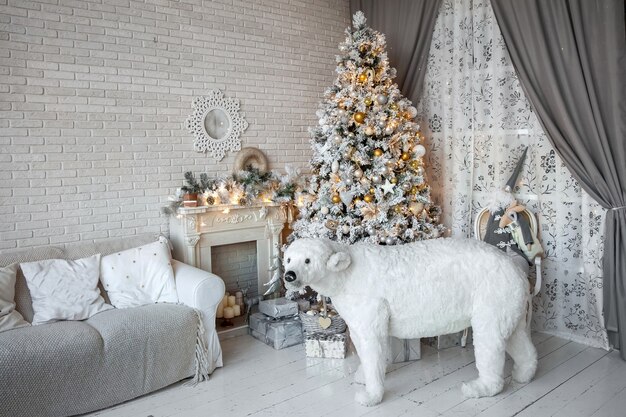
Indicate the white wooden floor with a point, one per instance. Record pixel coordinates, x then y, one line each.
572 381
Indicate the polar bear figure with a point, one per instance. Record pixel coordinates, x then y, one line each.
421 289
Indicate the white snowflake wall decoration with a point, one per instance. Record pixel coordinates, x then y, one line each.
216 124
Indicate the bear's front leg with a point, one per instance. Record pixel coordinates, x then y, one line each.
369 332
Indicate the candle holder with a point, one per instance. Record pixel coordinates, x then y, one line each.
226 323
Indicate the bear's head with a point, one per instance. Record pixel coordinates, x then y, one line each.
308 261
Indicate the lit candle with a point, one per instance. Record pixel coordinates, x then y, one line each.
236 310
231 300
220 311
228 313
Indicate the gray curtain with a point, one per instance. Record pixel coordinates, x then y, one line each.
408 27
570 59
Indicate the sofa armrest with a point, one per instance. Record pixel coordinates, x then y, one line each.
198 288
203 291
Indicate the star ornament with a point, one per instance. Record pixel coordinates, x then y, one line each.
387 187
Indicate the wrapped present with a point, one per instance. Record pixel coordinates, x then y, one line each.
278 307
404 350
276 332
445 341
323 345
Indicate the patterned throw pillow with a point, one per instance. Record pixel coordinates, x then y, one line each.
139 276
9 318
64 290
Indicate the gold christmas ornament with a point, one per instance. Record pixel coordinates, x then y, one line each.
362 77
398 209
414 190
378 152
405 156
336 199
368 198
394 106
415 164
363 48
372 190
394 180
331 225
359 117
367 101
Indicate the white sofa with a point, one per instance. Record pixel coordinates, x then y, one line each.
74 367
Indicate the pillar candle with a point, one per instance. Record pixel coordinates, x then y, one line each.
236 310
224 302
228 313
231 300
220 311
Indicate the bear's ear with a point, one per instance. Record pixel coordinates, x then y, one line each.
338 261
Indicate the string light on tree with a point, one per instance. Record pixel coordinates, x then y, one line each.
367 159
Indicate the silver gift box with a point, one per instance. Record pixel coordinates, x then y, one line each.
446 341
278 307
322 345
404 350
278 333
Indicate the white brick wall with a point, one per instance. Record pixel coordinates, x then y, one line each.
236 265
94 94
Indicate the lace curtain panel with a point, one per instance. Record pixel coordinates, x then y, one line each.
477 123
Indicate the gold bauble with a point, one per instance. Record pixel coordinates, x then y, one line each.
405 156
378 152
368 198
336 199
414 164
367 101
362 77
394 180
393 106
398 209
359 117
372 190
363 48
356 200
414 190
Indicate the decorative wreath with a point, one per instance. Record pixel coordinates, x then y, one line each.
250 157
195 123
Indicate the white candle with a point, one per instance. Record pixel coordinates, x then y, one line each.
224 302
236 310
220 311
231 300
228 313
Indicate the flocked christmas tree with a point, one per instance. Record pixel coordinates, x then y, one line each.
368 179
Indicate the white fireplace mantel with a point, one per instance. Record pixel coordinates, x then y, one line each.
194 231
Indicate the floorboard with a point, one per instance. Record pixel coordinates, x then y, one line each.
572 380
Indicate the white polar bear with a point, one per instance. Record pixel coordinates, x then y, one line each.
421 289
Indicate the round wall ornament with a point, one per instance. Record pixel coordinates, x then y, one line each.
216 124
250 157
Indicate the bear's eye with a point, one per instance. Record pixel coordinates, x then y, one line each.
307 261
288 260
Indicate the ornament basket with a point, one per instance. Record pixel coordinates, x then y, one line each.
311 324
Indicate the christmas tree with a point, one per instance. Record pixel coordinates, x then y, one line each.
367 181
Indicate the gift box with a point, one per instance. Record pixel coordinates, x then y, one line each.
278 333
445 341
404 350
322 345
278 307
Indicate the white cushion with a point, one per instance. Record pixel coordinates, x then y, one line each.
139 276
9 318
64 290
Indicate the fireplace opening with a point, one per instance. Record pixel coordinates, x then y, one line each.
236 264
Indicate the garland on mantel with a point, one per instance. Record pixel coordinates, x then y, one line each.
244 188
